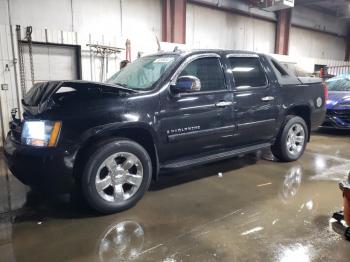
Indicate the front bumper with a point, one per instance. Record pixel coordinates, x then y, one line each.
50 169
339 119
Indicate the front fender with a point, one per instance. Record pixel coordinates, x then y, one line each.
106 129
141 133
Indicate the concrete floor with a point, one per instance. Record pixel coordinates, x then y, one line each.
258 210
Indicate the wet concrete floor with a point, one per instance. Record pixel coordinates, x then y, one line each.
258 210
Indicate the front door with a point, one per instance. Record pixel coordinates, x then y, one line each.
198 122
255 100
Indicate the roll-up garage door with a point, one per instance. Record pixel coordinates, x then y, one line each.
52 62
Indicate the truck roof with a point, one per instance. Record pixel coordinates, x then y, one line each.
223 51
201 51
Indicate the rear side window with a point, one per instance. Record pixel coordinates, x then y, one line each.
279 68
247 72
208 70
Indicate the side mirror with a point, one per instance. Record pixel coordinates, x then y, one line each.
186 84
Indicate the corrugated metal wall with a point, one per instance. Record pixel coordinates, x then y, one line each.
309 18
8 97
308 43
308 63
210 28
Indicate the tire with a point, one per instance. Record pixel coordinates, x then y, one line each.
116 175
288 147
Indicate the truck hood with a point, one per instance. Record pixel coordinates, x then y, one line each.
38 99
338 100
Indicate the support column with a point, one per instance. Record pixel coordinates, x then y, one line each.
283 29
347 50
174 21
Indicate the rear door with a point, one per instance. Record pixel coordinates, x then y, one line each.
198 122
255 100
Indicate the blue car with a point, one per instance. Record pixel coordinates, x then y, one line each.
338 103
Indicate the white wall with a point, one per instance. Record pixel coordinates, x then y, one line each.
306 17
8 98
307 64
307 43
210 28
111 20
93 16
3 12
38 13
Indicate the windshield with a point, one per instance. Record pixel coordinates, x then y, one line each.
143 72
339 83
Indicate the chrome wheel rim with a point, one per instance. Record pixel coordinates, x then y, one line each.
119 177
296 139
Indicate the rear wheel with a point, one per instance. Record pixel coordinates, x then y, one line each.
292 139
116 176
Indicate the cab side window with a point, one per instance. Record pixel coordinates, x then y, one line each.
247 72
209 71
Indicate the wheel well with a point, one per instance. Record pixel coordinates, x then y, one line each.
305 113
139 135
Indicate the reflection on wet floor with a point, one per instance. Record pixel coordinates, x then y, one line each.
256 210
123 240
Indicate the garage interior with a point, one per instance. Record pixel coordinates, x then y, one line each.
247 208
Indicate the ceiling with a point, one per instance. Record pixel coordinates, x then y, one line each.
339 8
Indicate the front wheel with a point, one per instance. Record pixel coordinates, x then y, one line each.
116 176
292 139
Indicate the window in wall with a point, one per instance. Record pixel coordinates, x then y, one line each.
247 72
208 70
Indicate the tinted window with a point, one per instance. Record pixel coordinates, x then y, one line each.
247 72
279 68
208 71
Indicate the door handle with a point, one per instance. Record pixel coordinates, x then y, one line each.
267 98
223 104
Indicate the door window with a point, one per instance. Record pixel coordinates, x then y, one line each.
247 72
209 71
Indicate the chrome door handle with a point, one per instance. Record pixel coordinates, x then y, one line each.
223 104
267 98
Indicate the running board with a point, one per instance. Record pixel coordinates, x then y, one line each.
214 157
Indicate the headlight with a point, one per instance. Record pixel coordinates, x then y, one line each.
41 133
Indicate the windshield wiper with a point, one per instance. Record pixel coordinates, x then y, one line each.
126 87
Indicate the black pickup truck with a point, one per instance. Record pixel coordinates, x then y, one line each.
164 111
